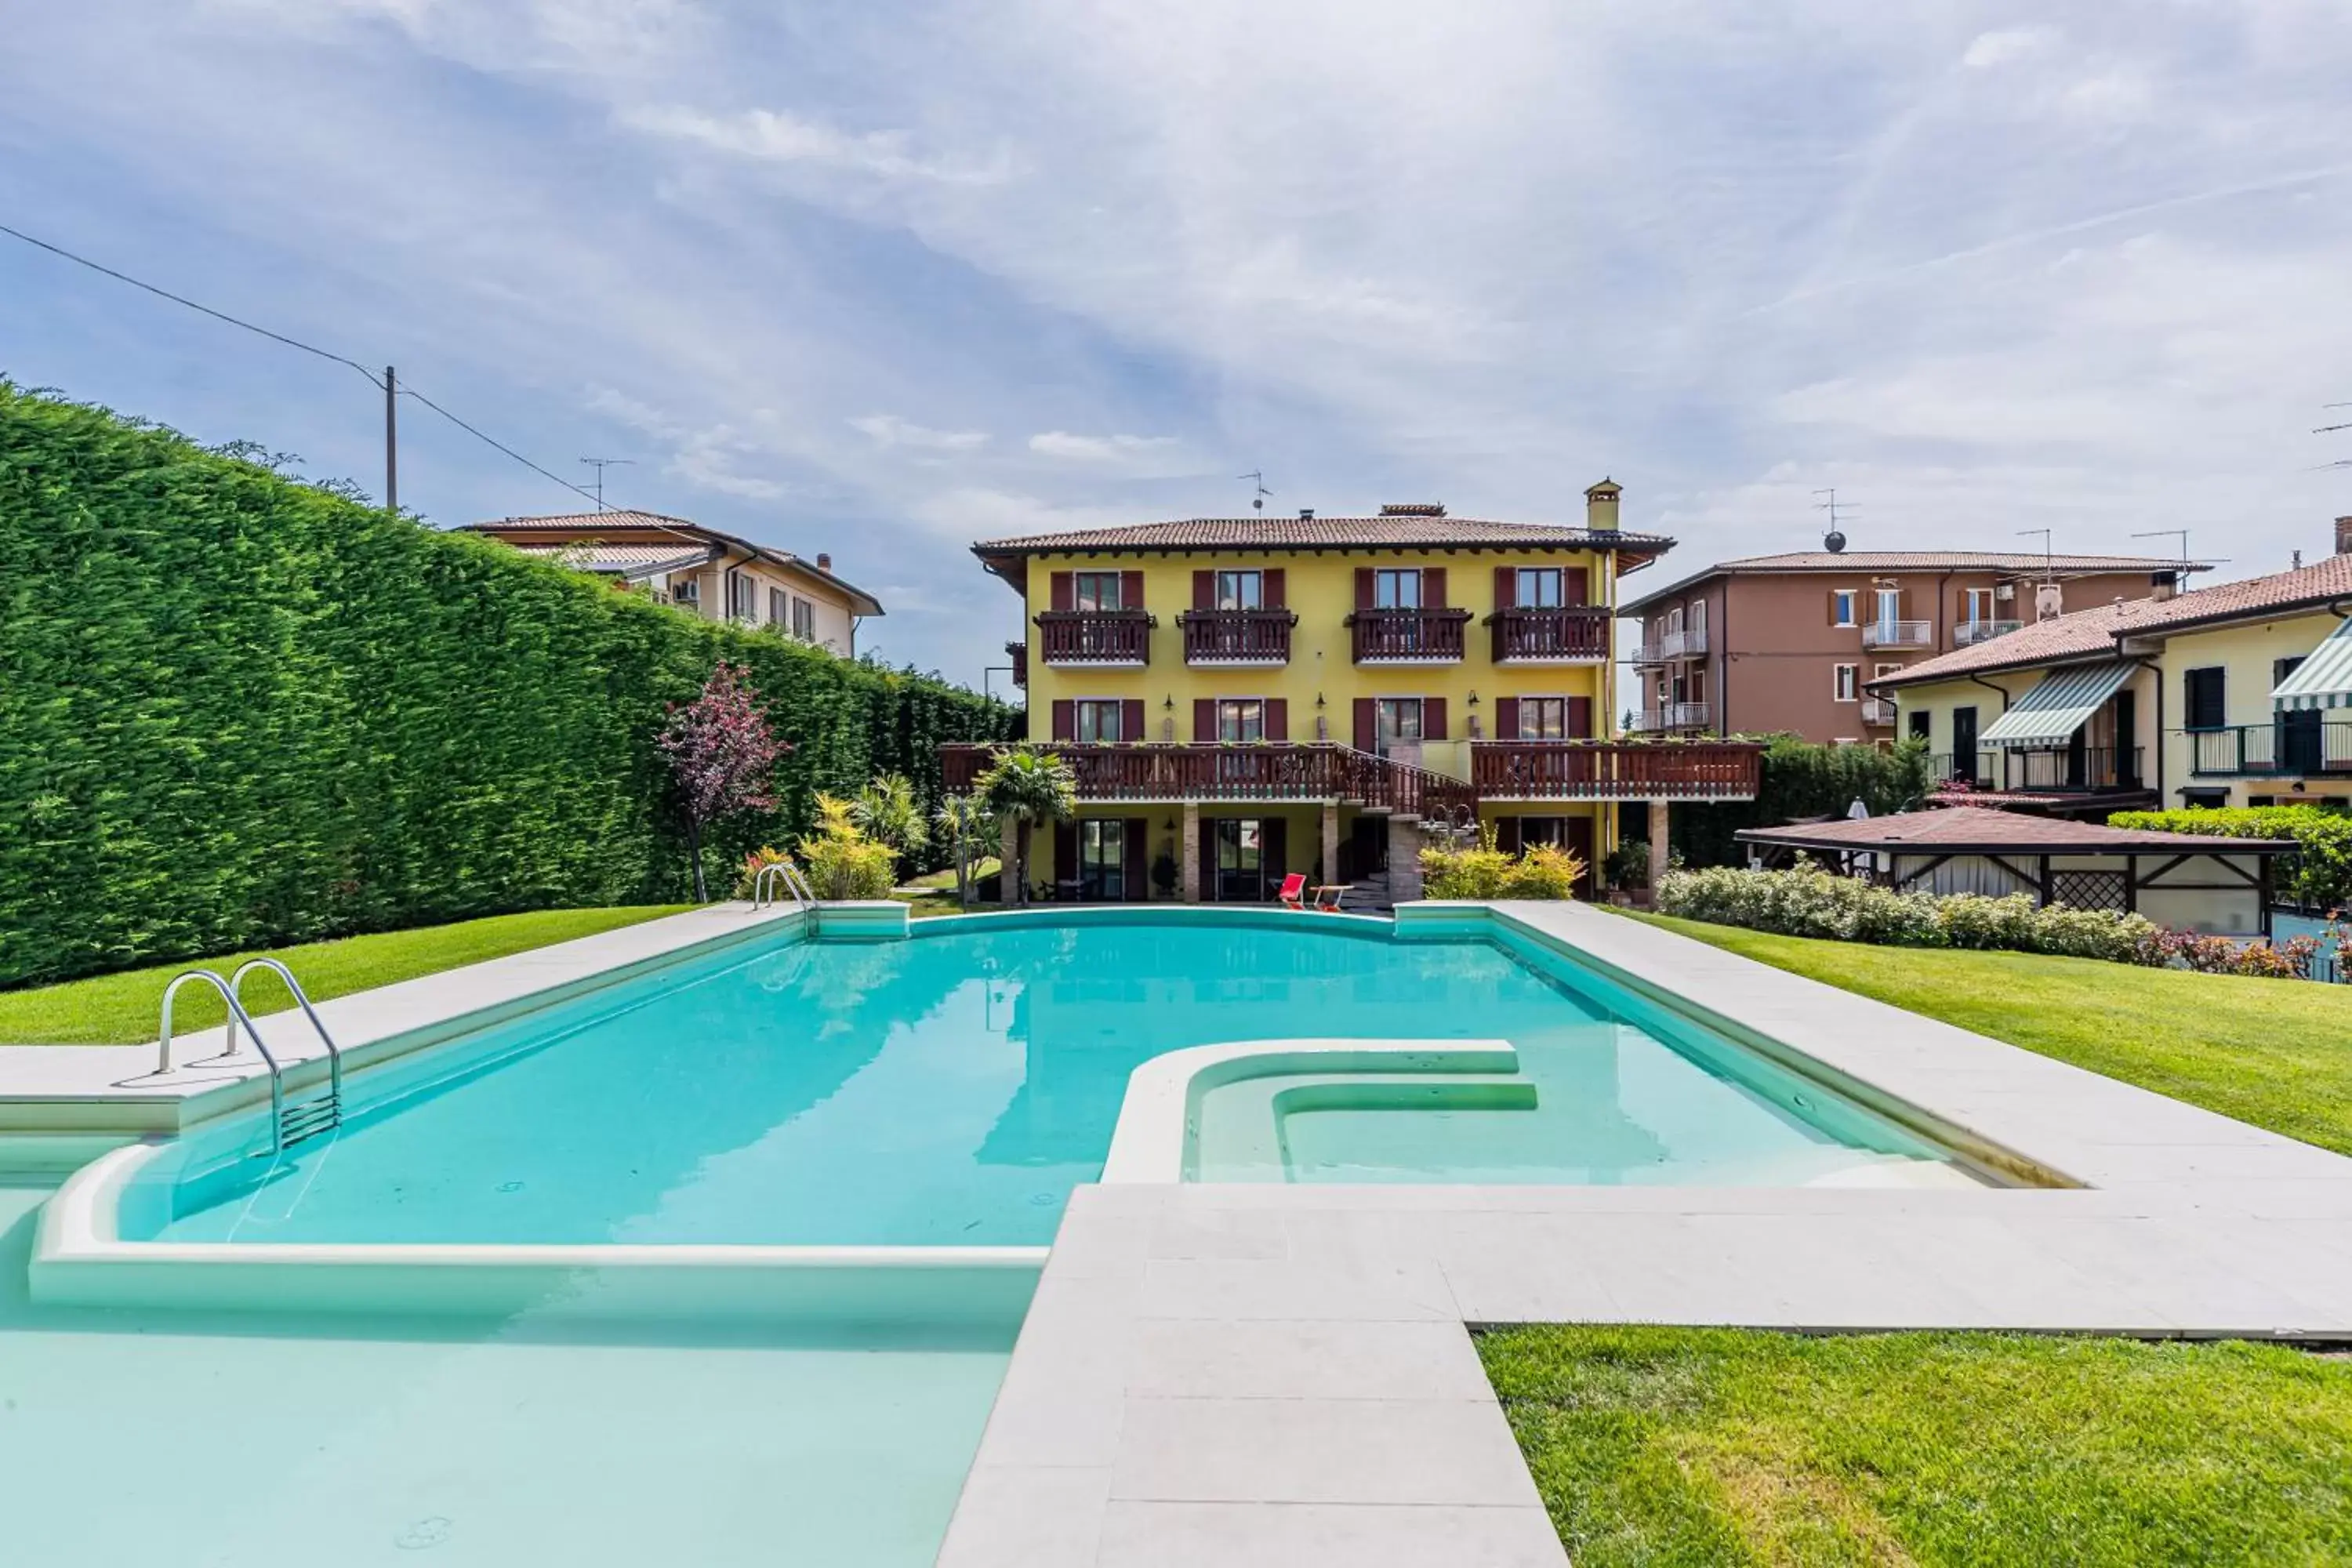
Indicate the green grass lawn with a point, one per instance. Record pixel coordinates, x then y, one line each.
2277 1053
121 1009
1665 1448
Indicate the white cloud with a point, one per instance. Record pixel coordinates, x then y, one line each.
2007 44
778 137
1099 448
888 430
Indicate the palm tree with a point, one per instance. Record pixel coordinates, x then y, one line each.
968 827
1027 786
886 812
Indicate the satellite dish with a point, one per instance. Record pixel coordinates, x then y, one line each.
1833 541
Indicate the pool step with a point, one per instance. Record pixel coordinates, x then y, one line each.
306 1119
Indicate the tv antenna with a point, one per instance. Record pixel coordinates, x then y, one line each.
2180 533
2328 430
1835 540
600 465
1257 502
2046 564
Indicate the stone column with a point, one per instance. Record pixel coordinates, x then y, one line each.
1187 855
1658 847
1404 861
1331 842
1007 853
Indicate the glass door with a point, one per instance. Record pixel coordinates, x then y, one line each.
1102 859
1241 860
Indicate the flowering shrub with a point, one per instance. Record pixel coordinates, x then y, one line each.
754 863
1810 902
1485 872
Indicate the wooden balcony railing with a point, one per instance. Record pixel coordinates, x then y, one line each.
1268 771
1237 637
1576 634
1408 637
1615 770
1095 637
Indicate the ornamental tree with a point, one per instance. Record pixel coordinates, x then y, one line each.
721 755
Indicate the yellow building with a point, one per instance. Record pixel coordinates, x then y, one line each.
1246 698
2239 694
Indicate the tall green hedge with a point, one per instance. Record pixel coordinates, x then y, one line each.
2318 875
1799 779
236 709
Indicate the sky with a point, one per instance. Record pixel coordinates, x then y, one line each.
881 280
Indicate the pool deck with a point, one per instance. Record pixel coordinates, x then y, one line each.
1271 1375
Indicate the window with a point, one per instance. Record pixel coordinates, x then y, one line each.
1543 717
1696 621
1920 721
777 599
1675 621
1890 606
804 620
1540 588
1240 859
2203 689
1400 722
1694 685
743 597
1094 591
686 591
1397 589
1551 830
1977 605
1240 591
1846 683
1241 718
1102 858
1098 719
1842 605
1881 671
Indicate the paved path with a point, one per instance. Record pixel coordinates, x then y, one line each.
1247 1375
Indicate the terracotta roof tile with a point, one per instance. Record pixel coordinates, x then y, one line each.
1971 827
2094 633
1403 532
628 559
1863 562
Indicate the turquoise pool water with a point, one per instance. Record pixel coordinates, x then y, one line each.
950 1089
290 1441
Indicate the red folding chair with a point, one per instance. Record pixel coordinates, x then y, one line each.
1293 887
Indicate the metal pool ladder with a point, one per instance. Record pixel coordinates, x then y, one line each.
763 886
288 1124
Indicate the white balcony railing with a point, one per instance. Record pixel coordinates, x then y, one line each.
1683 643
1897 634
1878 711
1970 632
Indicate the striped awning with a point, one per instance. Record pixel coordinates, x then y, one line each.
2051 713
2323 681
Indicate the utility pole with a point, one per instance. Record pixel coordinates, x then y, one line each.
391 442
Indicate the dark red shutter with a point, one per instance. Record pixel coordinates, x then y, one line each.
1130 719
1278 718
1066 852
1274 848
1062 596
1204 590
1834 594
1066 719
1580 719
1432 717
1271 589
1363 587
1506 588
1138 858
1575 586
1579 842
1506 718
1433 588
1367 725
1130 590
1204 719
1507 836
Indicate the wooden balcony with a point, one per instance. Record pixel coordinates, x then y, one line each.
1258 770
1213 638
1615 770
1408 637
1576 634
1019 653
1120 638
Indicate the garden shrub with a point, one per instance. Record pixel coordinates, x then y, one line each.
1485 872
1799 779
840 861
238 710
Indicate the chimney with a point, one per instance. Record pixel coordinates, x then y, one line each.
2049 599
2162 585
1306 514
1413 508
2344 536
823 561
1601 507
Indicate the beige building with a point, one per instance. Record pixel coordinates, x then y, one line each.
2238 694
1792 642
716 575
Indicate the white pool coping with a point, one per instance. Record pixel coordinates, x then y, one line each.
1272 1373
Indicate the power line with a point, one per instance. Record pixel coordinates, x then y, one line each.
383 383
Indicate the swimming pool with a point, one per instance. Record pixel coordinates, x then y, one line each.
948 1092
